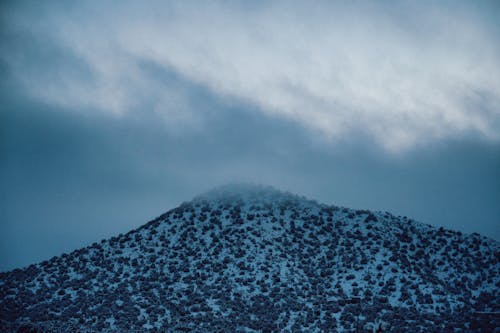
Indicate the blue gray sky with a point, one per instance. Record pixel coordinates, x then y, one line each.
113 112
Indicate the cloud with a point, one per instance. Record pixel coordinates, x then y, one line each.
400 74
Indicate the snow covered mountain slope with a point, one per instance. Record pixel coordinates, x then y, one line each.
245 258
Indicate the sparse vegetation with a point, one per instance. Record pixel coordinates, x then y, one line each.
265 261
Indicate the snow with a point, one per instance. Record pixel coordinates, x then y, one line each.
226 254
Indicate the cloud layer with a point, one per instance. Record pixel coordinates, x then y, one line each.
400 74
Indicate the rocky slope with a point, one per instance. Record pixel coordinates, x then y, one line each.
253 259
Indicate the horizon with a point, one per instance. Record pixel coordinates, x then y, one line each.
238 188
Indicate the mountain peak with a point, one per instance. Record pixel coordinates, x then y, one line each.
250 258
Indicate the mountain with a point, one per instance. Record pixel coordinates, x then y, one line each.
245 258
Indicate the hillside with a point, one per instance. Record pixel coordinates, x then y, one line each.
247 258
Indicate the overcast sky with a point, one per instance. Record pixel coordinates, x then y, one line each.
113 112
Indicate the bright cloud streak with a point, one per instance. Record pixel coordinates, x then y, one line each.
401 74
